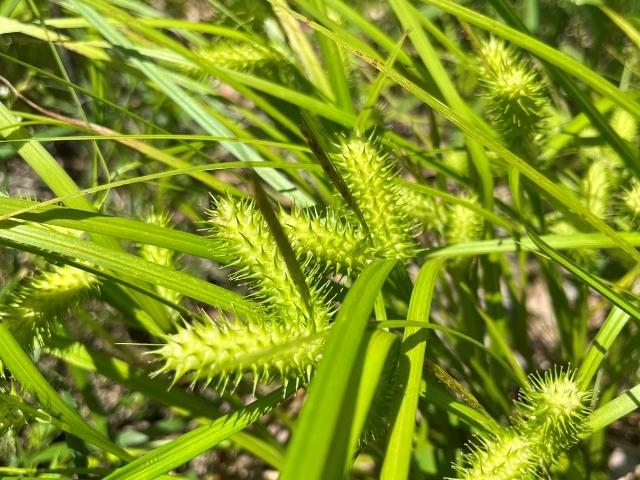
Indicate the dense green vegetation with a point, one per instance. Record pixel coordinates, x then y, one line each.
319 239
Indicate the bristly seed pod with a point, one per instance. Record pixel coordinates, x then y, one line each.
378 192
223 352
243 57
30 309
631 198
550 417
283 339
516 97
261 263
330 240
463 224
554 409
596 187
507 456
425 210
624 124
161 256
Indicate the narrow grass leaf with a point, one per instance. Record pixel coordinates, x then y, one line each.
119 227
319 446
23 370
615 409
179 451
187 103
133 269
597 284
400 447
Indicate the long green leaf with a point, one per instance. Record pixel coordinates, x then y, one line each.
615 409
553 56
559 193
179 451
319 446
133 269
21 367
398 455
119 227
188 104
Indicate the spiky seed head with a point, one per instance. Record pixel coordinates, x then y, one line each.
241 225
515 94
596 187
161 256
624 124
243 57
30 309
631 198
496 56
555 408
377 190
506 456
223 351
330 241
458 161
153 253
425 210
463 224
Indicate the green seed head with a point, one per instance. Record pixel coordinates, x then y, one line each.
516 97
597 185
377 191
161 256
624 124
496 57
261 263
424 209
508 456
243 57
457 161
30 310
329 241
554 409
463 225
631 200
224 351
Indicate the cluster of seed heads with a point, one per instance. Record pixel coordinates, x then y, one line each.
283 340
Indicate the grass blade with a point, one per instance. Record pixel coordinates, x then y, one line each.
615 409
319 447
181 450
400 447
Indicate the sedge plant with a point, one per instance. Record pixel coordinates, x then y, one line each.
320 240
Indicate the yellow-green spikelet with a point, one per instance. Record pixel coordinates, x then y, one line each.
506 456
329 240
596 187
283 339
161 256
463 224
30 310
242 56
224 351
261 263
554 410
378 193
631 199
516 97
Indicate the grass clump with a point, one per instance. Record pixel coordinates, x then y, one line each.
319 240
